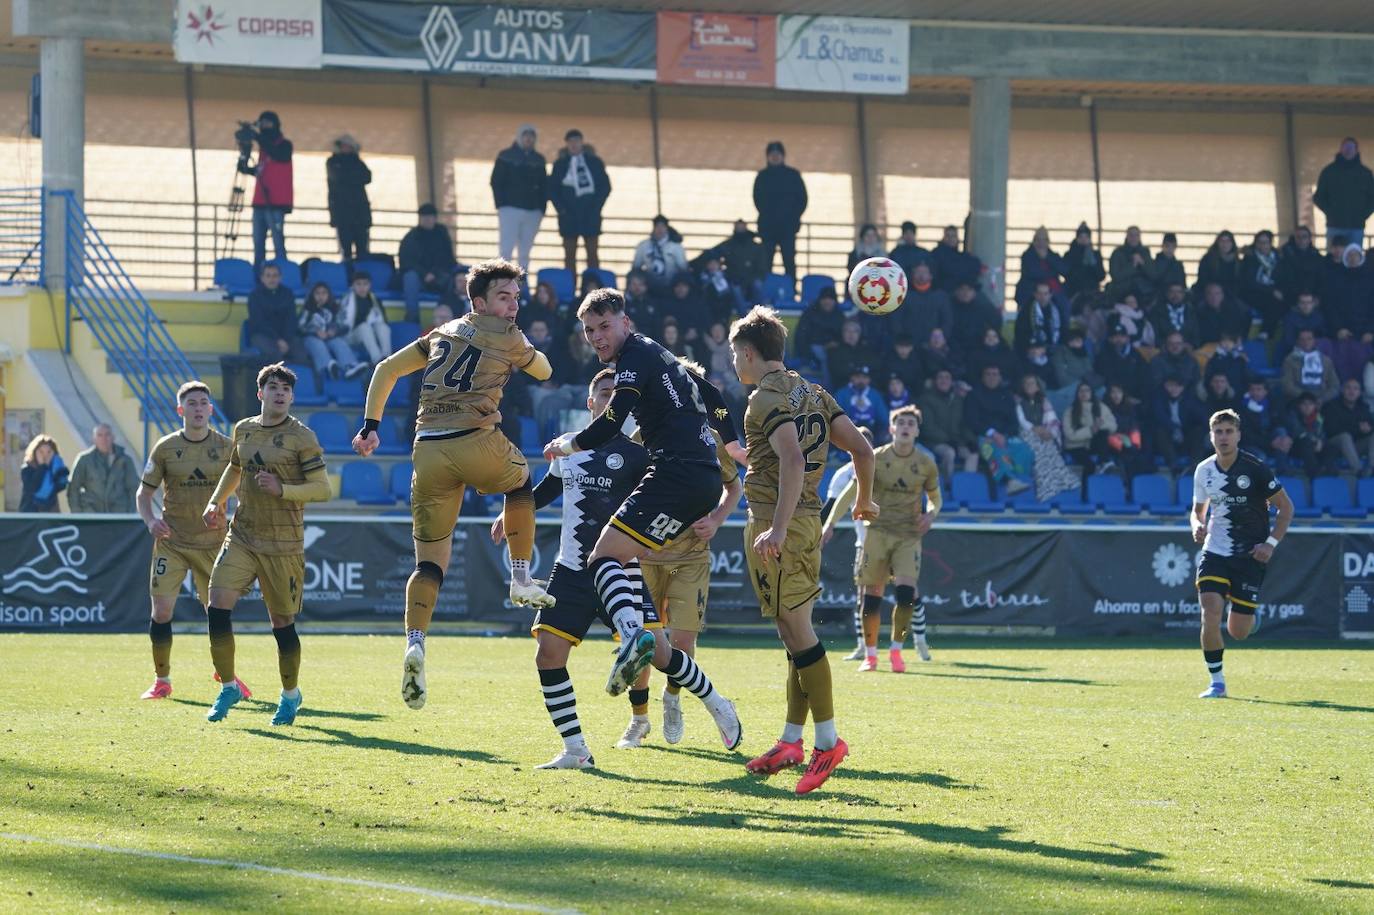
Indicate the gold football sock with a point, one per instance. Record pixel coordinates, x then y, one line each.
639 701
422 591
901 622
797 706
221 643
161 636
813 670
288 655
872 618
519 524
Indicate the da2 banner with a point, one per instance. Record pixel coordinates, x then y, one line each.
717 49
248 33
838 54
501 40
1357 585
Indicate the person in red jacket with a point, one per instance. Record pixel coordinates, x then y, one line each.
272 198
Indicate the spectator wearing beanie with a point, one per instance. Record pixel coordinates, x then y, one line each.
350 212
427 260
907 254
1168 268
862 403
974 313
1083 269
953 265
780 197
519 187
578 188
274 192
1345 193
819 331
851 352
1301 265
1349 307
902 361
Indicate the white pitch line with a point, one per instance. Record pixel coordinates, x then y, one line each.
288 872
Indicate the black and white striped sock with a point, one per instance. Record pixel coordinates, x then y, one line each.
859 618
561 702
1213 659
686 673
618 596
918 619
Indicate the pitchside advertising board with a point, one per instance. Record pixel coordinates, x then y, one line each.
90 574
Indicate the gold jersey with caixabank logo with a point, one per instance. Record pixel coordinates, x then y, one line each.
899 487
263 522
783 396
470 359
188 472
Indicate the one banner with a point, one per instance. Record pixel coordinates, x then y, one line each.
717 49
501 40
837 54
1357 585
248 33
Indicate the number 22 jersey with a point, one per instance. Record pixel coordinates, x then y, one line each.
783 396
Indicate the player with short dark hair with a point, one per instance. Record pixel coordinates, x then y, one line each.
1236 541
184 463
788 428
467 363
275 465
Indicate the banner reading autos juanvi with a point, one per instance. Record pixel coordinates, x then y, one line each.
500 40
839 54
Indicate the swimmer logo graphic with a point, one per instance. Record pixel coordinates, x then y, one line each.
54 568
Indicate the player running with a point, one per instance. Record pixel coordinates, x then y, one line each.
593 485
788 428
905 479
467 363
675 416
1235 538
275 465
839 481
678 579
183 463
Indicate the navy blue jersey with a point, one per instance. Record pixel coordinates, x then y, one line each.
672 415
595 483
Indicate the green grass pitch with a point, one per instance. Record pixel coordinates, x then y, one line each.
1004 776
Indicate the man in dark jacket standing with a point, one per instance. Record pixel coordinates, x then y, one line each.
1345 193
350 212
103 477
780 196
273 195
426 260
578 187
519 185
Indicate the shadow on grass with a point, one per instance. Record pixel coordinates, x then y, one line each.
970 665
933 779
1061 681
305 712
1341 884
1314 704
337 736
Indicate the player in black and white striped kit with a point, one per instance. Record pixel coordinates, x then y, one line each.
1236 542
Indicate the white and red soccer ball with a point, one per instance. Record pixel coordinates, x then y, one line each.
878 286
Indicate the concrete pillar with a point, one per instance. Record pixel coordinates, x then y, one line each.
989 158
63 74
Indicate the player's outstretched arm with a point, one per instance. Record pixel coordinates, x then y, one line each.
600 431
839 508
228 485
409 358
846 435
539 368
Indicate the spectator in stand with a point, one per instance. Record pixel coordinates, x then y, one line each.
1071 365
870 244
936 354
1179 425
1132 268
1038 321
722 298
1040 429
578 188
1301 266
1118 362
441 315
863 404
520 189
573 361
1040 265
720 366
780 197
1350 427
591 282
1131 317
1175 314
542 306
672 341
660 257
1260 426
819 331
907 254
990 414
350 212
1083 268
1308 369
1219 395
1221 265
851 352
1304 315
455 295
1168 268
1088 424
1036 362
901 360
743 259
1345 193
641 305
362 313
104 479
687 309
1349 307
993 350
925 309
1229 359
1128 442
1308 428
1219 313
427 261
1259 281
942 425
974 313
542 338
43 476
1175 360
898 394
272 318
953 265
273 194
323 336
1369 383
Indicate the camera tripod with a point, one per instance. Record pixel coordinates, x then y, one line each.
235 211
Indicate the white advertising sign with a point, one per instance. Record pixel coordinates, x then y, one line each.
837 54
249 33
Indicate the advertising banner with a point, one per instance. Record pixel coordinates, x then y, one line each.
499 40
717 49
838 54
248 33
1357 585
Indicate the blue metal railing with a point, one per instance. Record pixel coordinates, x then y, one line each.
123 323
21 236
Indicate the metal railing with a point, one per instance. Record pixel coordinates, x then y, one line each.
21 236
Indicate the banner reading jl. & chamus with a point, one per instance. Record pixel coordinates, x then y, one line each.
838 54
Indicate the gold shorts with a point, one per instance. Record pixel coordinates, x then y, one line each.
792 583
170 565
886 556
483 458
679 591
280 576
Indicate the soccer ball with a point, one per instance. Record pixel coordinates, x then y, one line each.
878 286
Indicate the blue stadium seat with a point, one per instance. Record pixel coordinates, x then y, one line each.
1364 493
331 273
1297 492
361 481
394 440
812 284
1184 487
1108 492
1154 491
561 279
403 332
308 393
970 490
1333 495
333 431
382 273
777 290
234 275
400 480
1070 502
290 274
244 345
1024 502
346 392
607 278
531 442
1257 353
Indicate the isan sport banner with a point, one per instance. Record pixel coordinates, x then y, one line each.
86 573
499 40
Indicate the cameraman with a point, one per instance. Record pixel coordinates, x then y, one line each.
272 197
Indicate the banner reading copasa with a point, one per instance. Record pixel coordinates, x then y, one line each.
501 40
716 49
248 33
838 54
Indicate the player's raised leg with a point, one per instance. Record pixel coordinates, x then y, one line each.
518 518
